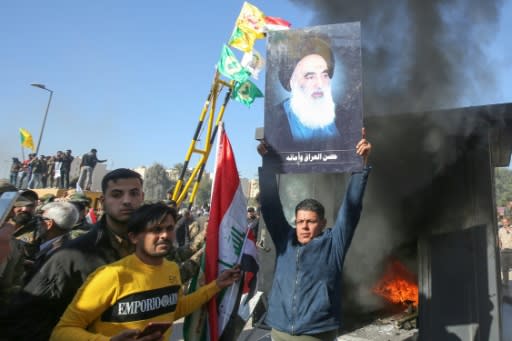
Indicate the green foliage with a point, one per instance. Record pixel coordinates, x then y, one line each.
503 185
156 183
204 191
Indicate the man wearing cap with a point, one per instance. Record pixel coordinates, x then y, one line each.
24 216
89 161
46 199
308 117
81 202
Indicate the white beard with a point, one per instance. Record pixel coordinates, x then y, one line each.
313 113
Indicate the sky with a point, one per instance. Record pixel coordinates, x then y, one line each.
130 77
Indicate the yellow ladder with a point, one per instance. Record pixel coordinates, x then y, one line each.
183 190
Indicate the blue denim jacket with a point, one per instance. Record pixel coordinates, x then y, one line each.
306 292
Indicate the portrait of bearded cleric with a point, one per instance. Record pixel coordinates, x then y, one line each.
313 105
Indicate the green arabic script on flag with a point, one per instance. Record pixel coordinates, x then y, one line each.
230 67
246 92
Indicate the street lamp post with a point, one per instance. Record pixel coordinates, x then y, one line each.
42 86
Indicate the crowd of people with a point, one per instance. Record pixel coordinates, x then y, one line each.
111 278
42 171
52 245
52 171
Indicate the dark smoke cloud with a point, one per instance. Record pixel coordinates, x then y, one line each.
419 55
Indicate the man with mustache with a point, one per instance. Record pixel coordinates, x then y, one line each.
308 116
36 310
304 302
24 214
120 299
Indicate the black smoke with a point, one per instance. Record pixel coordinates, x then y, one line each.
419 55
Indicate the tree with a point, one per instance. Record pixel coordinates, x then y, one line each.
503 186
156 183
204 191
205 185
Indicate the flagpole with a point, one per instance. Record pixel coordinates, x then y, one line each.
42 86
22 153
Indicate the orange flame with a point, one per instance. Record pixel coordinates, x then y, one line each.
398 285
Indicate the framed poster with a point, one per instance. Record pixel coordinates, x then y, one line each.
313 100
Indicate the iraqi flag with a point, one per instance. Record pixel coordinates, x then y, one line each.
225 235
91 216
276 24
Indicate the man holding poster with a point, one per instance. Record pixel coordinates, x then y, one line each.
304 303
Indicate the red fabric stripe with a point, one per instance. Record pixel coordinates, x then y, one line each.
277 21
92 216
224 188
249 276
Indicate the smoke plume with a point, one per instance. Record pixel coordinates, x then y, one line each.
418 55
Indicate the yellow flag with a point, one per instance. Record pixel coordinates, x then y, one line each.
26 139
251 20
244 41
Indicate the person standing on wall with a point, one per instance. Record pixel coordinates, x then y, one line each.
89 161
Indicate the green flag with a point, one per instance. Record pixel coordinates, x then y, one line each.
246 92
230 67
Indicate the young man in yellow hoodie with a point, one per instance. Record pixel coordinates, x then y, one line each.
120 299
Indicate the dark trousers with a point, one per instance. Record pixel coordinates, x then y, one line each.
506 264
64 178
14 178
23 177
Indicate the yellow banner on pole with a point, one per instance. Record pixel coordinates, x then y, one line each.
26 139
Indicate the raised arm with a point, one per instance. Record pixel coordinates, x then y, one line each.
351 207
271 207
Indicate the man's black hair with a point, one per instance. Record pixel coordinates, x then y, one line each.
149 214
311 205
120 173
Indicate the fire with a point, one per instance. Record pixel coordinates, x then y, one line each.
398 285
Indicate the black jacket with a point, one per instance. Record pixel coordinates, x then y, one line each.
43 255
37 309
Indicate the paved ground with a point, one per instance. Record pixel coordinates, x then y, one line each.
256 334
249 333
506 314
